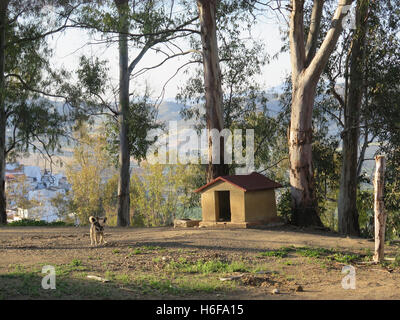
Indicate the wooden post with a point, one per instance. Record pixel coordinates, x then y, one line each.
380 215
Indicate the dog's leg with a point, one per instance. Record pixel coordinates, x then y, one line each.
102 239
91 237
95 238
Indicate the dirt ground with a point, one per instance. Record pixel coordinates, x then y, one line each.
140 261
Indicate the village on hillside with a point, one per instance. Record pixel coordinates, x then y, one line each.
41 185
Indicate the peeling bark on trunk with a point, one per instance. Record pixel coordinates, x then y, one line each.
380 214
307 66
212 81
3 21
304 201
347 203
123 218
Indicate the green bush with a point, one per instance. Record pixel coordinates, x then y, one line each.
36 223
284 206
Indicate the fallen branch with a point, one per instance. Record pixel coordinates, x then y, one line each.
98 278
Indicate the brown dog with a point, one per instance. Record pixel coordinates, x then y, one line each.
97 230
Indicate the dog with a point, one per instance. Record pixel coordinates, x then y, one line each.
97 230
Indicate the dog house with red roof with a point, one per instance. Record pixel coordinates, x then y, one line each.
239 201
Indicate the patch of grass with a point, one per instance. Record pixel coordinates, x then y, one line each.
204 285
151 248
21 283
137 251
207 267
280 253
27 285
37 223
180 286
368 252
82 274
143 249
397 259
109 275
76 263
344 258
288 263
67 269
124 278
313 252
18 268
116 251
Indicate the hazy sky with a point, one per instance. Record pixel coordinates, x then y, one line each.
70 45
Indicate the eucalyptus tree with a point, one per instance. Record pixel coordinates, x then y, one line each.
142 26
26 78
361 80
347 202
222 90
342 95
307 64
213 87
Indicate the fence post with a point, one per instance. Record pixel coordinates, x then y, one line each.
380 214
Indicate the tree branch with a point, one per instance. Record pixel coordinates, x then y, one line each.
318 63
312 39
141 71
296 38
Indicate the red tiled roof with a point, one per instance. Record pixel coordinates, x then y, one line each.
250 182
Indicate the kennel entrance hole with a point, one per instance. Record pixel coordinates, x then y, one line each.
224 206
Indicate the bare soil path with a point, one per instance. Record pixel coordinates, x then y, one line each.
157 263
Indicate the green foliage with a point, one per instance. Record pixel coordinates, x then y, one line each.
86 173
36 223
244 101
284 205
92 75
36 122
327 164
280 253
365 207
76 263
142 118
64 205
325 152
110 199
345 258
162 193
207 267
313 252
17 193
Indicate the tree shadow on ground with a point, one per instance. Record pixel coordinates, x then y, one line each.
28 285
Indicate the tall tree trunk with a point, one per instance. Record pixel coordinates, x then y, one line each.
212 81
347 203
307 66
3 22
304 202
123 218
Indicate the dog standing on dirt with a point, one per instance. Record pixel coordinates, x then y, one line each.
97 230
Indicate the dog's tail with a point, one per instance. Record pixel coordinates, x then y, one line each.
92 219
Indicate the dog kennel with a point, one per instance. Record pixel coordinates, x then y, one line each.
239 201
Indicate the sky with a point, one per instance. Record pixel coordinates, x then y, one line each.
73 43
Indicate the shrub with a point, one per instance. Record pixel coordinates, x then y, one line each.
36 223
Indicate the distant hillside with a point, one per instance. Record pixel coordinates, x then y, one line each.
169 110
